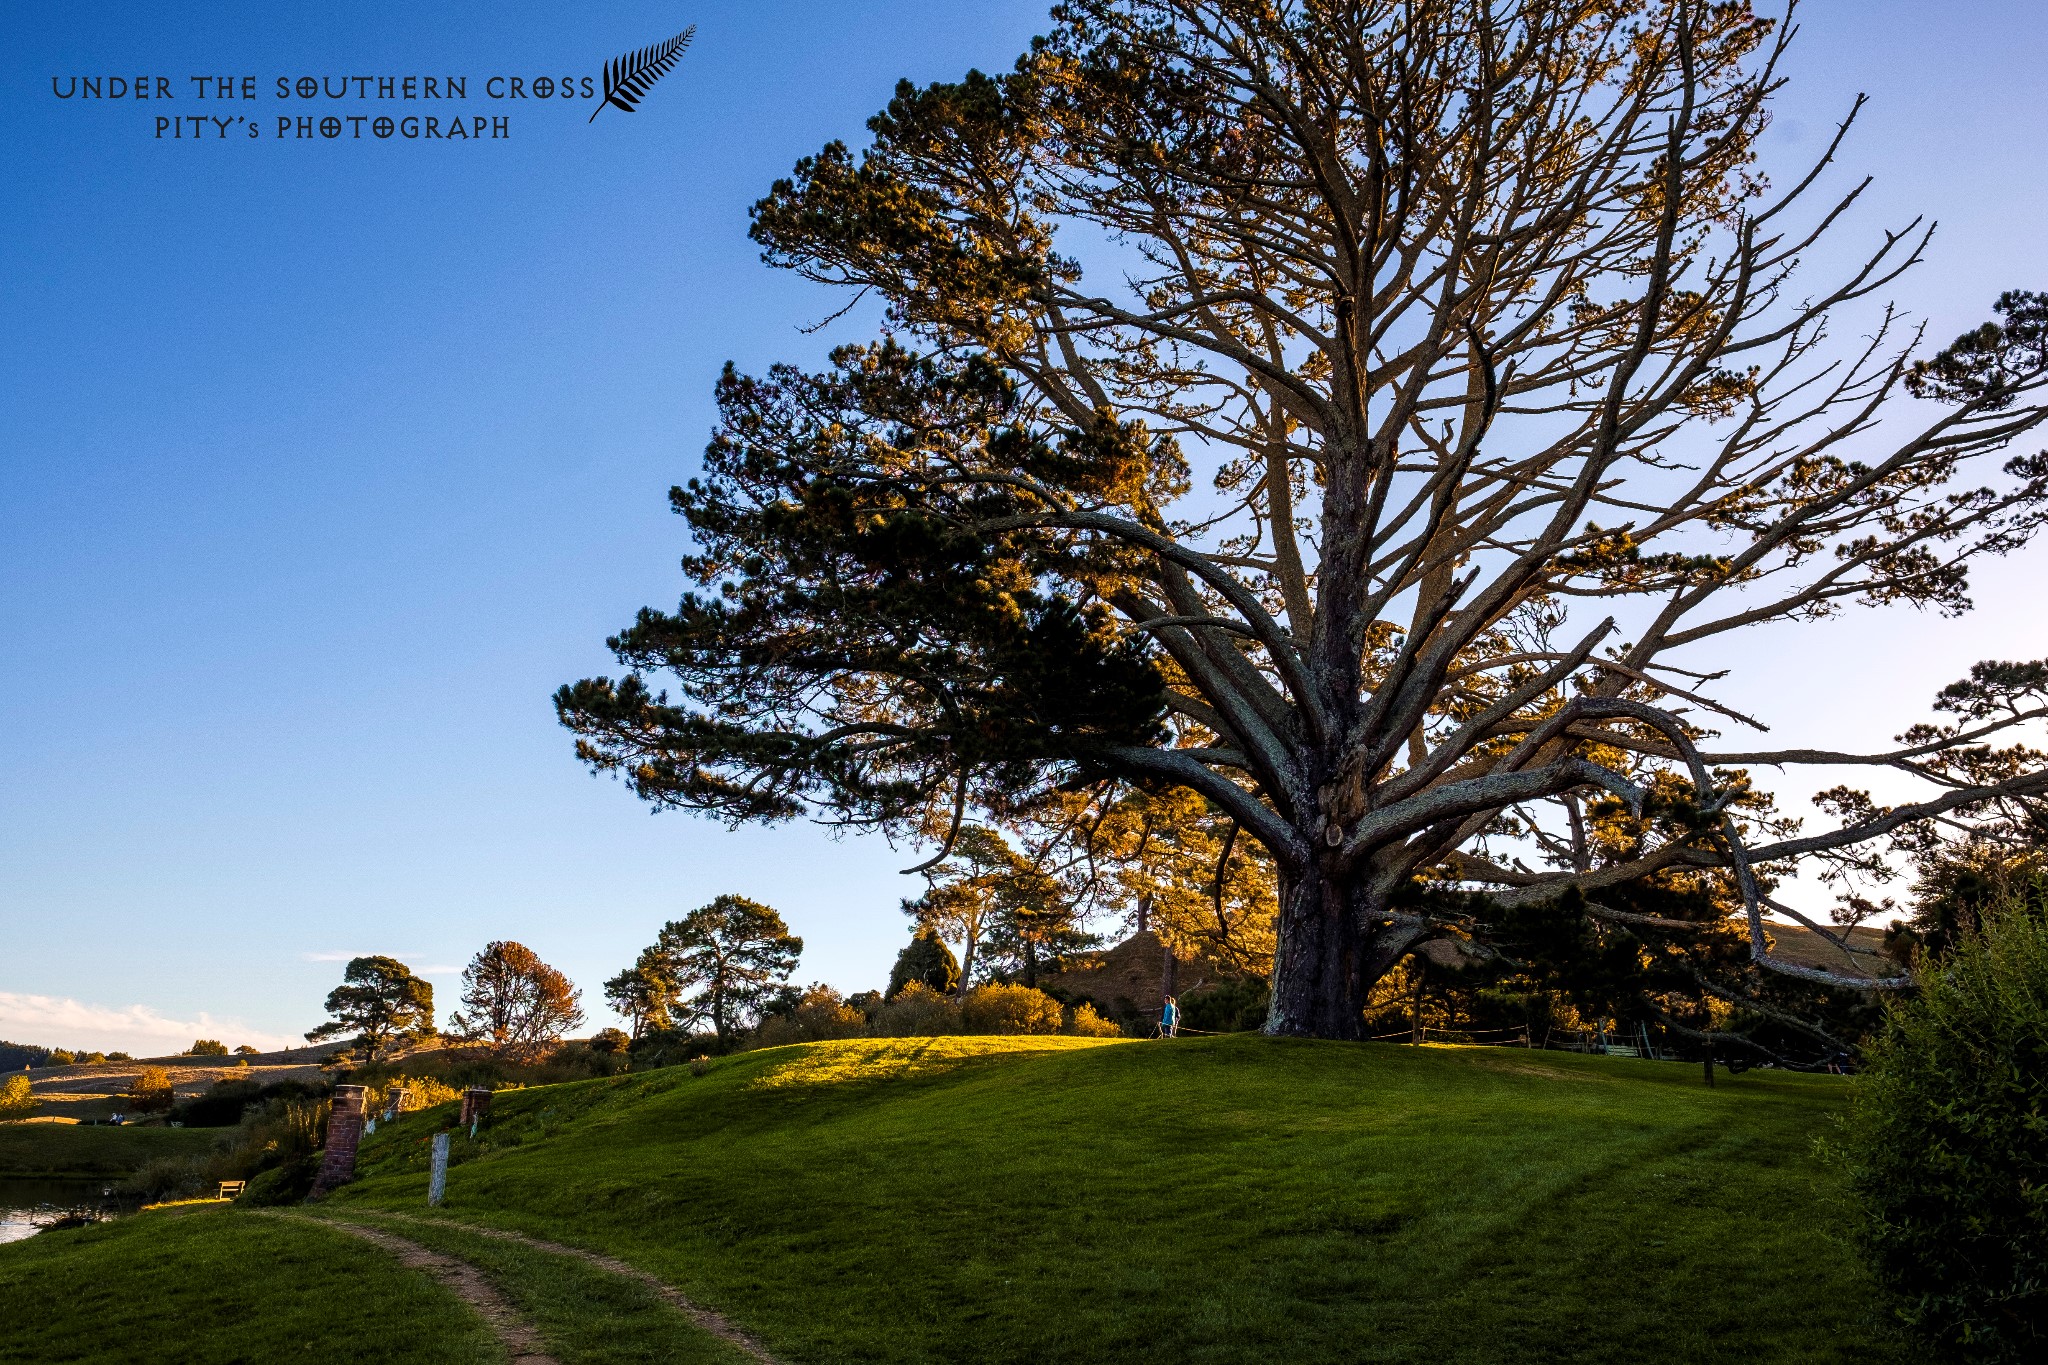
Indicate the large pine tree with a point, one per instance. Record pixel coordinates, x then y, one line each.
1379 418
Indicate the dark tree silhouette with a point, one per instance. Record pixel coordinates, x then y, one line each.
733 954
381 1002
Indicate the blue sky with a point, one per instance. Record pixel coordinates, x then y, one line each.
323 463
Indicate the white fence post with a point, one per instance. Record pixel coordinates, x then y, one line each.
437 1183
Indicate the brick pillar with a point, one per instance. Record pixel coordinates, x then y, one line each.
476 1105
394 1101
344 1131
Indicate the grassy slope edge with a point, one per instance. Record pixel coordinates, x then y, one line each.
69 1149
1228 1199
219 1286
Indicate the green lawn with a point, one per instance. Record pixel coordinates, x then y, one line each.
61 1149
1221 1200
215 1286
588 1317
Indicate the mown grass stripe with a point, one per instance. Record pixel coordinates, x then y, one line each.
519 1336
710 1322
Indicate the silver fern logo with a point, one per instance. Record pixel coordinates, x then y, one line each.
628 78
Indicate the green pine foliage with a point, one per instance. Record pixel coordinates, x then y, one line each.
1948 1142
927 959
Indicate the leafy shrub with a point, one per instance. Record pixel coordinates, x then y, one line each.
819 1013
610 1040
1086 1023
118 1057
17 1099
916 1011
1005 1009
150 1090
59 1057
1947 1144
207 1047
421 1092
169 1177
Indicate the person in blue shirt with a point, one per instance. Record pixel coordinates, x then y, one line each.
1169 1018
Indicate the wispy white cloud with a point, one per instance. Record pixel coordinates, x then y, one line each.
54 1021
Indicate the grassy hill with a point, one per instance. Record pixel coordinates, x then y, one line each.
1217 1200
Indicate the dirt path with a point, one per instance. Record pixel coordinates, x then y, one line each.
704 1318
521 1338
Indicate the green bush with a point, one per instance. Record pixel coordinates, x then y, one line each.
926 960
1948 1147
997 1008
820 1013
1084 1022
150 1090
17 1099
207 1047
916 1011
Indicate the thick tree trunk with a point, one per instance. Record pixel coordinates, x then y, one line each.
1333 948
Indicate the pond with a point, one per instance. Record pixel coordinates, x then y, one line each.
28 1206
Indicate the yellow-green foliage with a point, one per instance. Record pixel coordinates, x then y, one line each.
1086 1023
1009 1009
918 1011
17 1101
820 1016
151 1089
421 1092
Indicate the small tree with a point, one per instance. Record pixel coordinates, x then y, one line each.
732 953
207 1047
382 1003
17 1098
1005 1009
925 959
644 993
151 1090
1946 1151
515 1002
244 1050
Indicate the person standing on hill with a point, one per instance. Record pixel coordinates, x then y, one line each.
1169 1018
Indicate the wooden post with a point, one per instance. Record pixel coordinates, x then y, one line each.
1415 969
344 1131
476 1106
437 1183
394 1101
